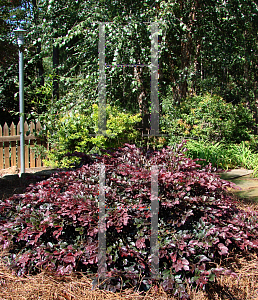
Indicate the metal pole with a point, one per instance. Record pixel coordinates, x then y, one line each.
21 103
20 34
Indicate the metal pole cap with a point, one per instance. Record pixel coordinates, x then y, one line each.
20 35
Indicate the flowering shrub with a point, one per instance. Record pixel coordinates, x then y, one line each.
54 224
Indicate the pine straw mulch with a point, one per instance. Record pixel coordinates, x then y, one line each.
77 286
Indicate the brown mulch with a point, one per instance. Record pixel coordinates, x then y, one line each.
79 287
48 287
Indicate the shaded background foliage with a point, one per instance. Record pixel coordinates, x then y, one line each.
204 47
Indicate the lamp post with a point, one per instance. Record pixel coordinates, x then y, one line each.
20 36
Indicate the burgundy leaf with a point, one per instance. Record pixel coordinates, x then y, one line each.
140 243
223 249
69 258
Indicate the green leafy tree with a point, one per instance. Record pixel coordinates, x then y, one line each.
203 47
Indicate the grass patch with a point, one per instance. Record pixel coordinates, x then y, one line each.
222 155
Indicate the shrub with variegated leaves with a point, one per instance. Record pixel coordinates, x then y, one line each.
54 224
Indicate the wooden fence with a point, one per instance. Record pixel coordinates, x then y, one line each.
10 146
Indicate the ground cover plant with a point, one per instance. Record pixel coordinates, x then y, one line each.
54 225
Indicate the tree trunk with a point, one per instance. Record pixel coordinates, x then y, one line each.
39 65
55 69
142 100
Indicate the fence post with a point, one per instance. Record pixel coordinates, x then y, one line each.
18 148
6 148
26 148
13 146
32 146
38 160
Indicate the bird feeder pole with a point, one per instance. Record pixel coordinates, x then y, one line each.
20 36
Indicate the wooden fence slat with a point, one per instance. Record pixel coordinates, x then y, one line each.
13 146
15 138
18 148
32 150
10 146
38 159
6 148
26 148
1 151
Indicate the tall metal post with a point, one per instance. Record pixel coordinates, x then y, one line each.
20 36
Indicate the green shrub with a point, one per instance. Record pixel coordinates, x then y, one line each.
243 156
222 155
76 130
215 153
208 117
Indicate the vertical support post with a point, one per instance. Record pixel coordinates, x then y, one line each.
21 104
102 268
102 81
20 34
154 80
154 223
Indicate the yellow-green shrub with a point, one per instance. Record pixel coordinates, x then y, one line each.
75 131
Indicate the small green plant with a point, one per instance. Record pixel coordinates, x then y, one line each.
214 153
244 156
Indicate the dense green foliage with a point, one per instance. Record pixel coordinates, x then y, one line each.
54 224
203 47
217 131
77 130
208 117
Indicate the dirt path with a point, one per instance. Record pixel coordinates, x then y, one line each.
247 186
11 183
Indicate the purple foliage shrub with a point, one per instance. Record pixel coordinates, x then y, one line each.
54 224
